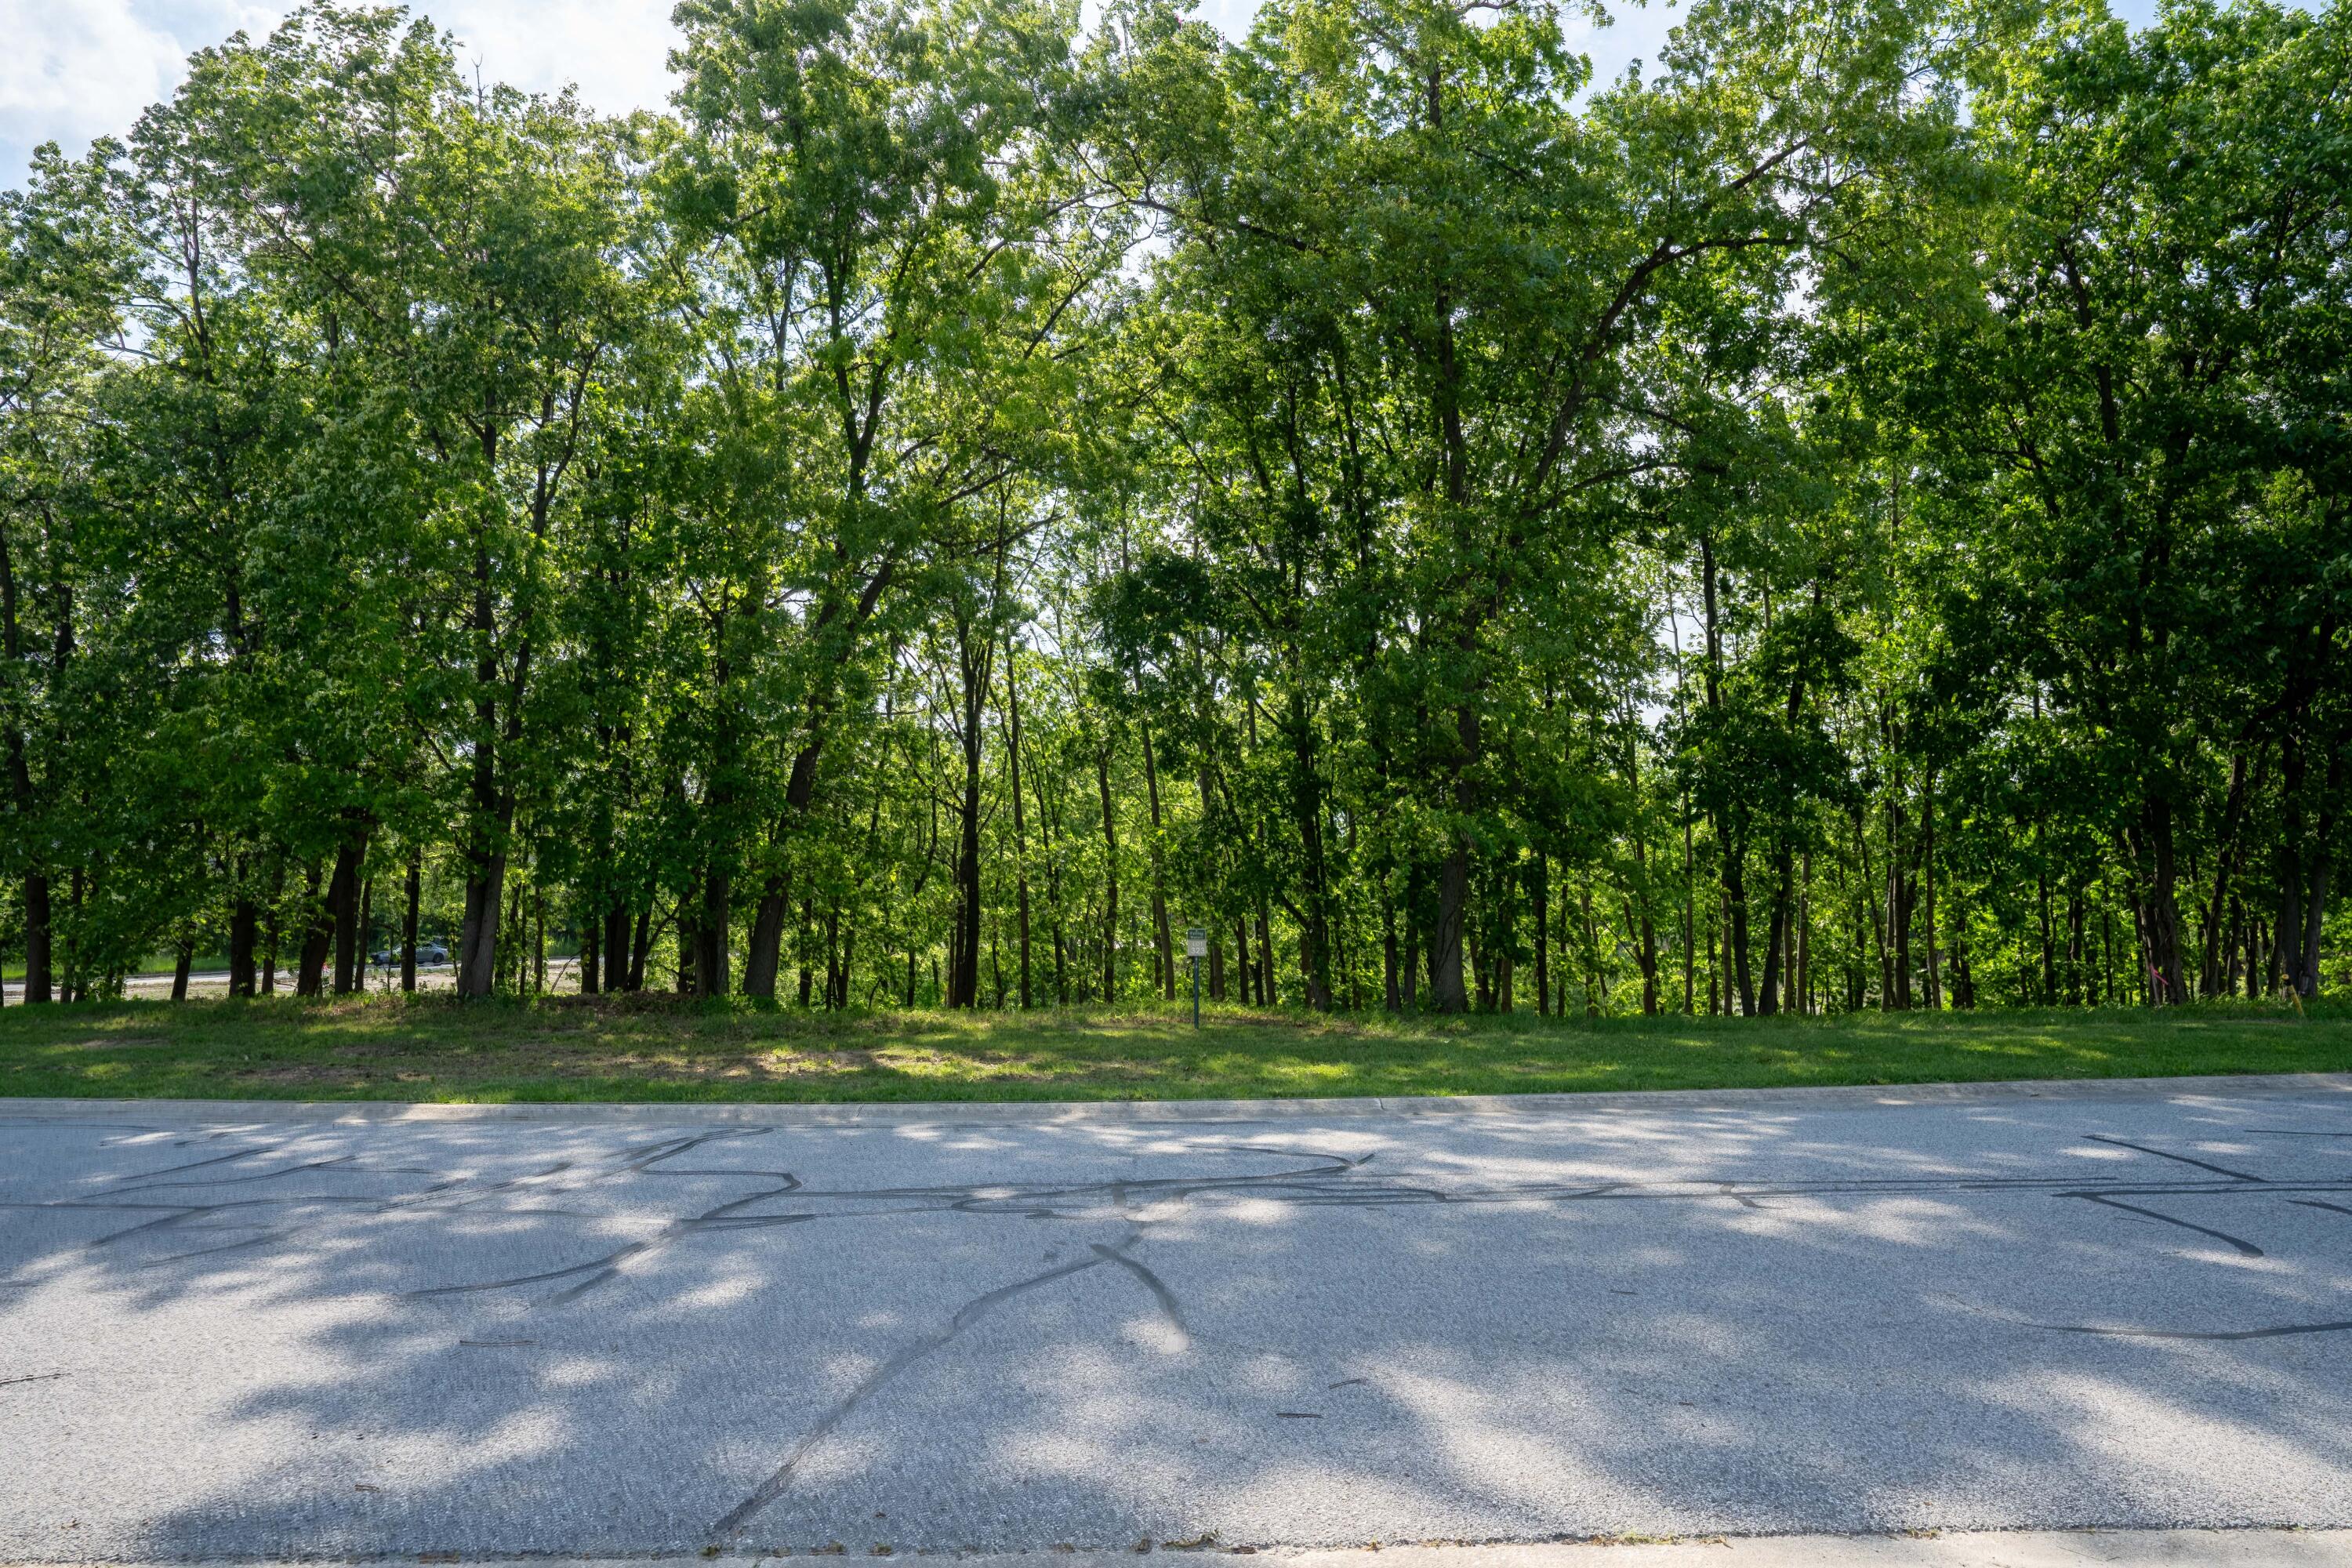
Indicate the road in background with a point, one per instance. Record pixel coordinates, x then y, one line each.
560 978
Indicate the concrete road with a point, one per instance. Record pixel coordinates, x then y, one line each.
1000 1331
214 982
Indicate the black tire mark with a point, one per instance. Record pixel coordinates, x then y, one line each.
209 1251
2166 1155
471 1192
32 1377
733 1524
2244 1246
510 1284
2125 1331
1151 1282
641 1161
200 1164
2275 1332
337 1163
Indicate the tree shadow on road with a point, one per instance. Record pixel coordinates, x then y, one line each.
292 1340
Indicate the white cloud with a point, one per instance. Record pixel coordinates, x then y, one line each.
615 51
73 69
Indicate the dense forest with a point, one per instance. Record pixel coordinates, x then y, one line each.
1857 513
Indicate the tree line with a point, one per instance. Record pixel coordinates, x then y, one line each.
1853 513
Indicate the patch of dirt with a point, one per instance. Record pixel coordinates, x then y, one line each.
351 1067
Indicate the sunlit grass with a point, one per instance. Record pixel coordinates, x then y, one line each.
660 1048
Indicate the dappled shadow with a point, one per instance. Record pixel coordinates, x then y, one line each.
355 1340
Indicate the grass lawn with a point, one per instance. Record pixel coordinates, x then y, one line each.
659 1048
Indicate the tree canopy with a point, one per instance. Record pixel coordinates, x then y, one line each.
1855 512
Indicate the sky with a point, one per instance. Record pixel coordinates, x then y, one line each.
81 69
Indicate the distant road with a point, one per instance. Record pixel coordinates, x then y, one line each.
214 982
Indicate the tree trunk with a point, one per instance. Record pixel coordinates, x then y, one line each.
1390 1000
1445 976
367 928
1408 981
1446 982
1047 827
343 904
840 958
1804 992
1506 944
2075 948
808 923
1733 848
1110 876
1592 987
2049 995
1020 823
39 977
1645 931
712 927
478 935
411 895
1867 893
2322 861
76 983
1161 933
2253 927
1539 894
2210 980
486 838
765 958
1267 994
318 937
1735 903
2163 933
38 980
964 972
615 944
182 959
1769 1004
1928 873
1898 910
1964 990
244 930
1648 932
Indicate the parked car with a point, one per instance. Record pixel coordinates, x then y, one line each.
427 953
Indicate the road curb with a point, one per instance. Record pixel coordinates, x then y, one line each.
1678 1102
1927 1549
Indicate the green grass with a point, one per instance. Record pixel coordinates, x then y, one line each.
658 1049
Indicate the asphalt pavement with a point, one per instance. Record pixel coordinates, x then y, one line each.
157 985
282 1336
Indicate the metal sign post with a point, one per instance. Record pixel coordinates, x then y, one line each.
1196 947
